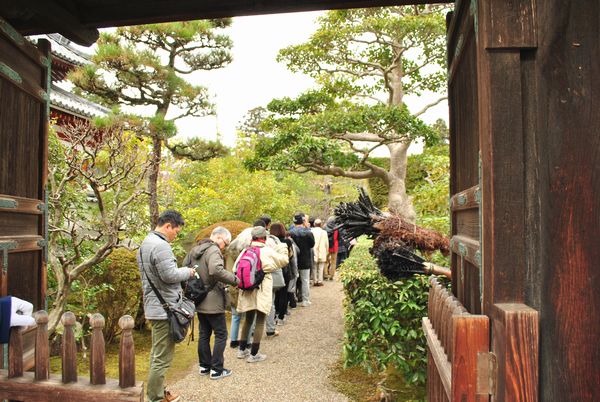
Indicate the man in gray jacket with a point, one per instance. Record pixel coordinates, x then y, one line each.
207 258
157 262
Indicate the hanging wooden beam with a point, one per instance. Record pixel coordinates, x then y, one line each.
31 17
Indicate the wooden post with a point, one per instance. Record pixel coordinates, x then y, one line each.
42 360
97 355
126 353
516 344
69 349
15 353
471 337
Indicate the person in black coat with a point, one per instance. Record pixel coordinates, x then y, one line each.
305 241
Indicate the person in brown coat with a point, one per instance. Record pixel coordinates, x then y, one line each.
207 257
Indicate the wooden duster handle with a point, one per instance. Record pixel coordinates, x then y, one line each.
437 270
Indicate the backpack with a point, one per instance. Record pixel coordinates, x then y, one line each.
249 269
194 288
332 237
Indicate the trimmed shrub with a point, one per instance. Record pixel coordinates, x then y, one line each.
235 227
383 318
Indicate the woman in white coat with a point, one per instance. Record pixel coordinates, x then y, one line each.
257 302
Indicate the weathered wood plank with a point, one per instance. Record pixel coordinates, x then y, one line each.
511 24
467 223
566 170
439 356
503 179
42 351
466 247
97 351
467 199
69 349
10 203
53 390
470 337
15 353
126 353
516 345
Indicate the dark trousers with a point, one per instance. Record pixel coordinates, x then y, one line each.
281 302
299 289
341 256
210 323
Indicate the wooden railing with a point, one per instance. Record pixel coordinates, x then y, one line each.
458 342
15 384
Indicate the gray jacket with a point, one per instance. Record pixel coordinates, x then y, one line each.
211 269
160 265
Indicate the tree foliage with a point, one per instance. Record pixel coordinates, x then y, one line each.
364 61
96 186
222 189
144 65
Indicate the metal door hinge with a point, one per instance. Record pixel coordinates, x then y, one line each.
487 371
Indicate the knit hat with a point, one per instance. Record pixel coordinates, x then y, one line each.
5 313
258 232
299 219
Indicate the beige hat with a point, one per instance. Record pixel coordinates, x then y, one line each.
258 232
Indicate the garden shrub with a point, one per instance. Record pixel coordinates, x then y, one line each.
235 227
122 294
383 318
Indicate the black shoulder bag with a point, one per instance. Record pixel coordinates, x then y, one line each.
180 316
194 288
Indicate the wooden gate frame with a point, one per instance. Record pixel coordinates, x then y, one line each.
500 357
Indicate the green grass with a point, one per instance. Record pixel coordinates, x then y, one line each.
186 356
360 386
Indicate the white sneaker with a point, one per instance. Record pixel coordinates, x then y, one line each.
259 357
305 304
242 354
215 375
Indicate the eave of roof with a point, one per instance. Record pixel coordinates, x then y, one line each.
69 102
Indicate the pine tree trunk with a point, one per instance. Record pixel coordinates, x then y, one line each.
153 179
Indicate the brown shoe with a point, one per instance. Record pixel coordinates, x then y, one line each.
169 397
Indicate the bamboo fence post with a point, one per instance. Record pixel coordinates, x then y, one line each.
42 351
15 353
97 355
69 349
126 353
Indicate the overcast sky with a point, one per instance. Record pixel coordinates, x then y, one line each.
254 77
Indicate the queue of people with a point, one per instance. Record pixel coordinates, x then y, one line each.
291 262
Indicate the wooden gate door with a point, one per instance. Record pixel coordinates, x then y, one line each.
465 172
488 44
24 82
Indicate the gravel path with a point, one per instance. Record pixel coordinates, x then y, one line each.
298 360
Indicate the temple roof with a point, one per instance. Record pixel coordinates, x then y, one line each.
63 100
63 49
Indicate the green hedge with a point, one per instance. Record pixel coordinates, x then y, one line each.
383 318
